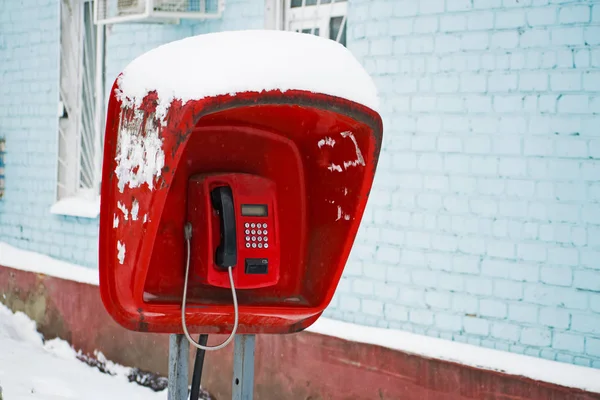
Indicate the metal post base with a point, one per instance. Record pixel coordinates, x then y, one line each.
178 367
242 387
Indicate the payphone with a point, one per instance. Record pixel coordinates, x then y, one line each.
233 218
234 208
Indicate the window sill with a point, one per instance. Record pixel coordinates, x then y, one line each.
77 207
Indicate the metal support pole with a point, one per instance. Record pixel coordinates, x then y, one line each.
242 387
178 367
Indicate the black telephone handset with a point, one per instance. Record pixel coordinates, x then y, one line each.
222 201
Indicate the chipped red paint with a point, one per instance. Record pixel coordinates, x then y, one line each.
300 366
269 134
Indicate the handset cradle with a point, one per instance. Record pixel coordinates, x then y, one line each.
222 201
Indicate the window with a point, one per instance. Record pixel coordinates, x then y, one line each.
80 139
325 18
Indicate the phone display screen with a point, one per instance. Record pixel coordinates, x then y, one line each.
254 210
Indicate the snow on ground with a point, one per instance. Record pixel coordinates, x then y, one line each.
32 369
515 364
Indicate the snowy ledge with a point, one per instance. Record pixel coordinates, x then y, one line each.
538 369
77 207
41 264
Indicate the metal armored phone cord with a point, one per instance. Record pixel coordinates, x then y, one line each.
188 237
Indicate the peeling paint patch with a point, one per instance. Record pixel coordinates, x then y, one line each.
341 214
145 218
124 210
335 167
140 157
135 208
121 252
354 163
162 106
116 221
125 101
360 160
345 191
327 141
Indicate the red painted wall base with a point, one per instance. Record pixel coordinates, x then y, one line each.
298 366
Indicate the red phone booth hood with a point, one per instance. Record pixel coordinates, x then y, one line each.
295 109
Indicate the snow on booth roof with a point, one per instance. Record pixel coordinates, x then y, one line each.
246 61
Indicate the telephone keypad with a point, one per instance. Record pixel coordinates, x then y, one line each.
256 236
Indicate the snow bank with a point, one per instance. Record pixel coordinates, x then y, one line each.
30 368
34 262
534 368
246 61
18 327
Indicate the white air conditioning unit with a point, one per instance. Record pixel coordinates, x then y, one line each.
157 11
128 7
173 5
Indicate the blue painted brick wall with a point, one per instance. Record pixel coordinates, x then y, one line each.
484 221
29 77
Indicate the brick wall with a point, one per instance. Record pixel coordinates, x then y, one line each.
29 78
484 221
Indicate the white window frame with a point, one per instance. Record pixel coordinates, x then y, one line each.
313 17
80 143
